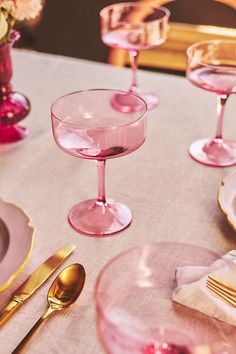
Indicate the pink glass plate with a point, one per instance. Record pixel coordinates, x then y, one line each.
133 301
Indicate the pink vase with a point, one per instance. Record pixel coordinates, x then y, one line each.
13 105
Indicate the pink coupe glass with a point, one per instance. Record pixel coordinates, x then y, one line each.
212 67
86 125
135 312
134 26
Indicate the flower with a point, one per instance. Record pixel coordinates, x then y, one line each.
26 9
3 25
16 10
7 5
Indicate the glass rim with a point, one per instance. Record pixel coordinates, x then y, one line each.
140 116
98 304
141 4
210 41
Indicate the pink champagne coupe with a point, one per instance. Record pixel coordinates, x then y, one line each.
86 125
134 310
134 27
212 67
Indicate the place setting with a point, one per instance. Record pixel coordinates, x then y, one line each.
156 297
152 307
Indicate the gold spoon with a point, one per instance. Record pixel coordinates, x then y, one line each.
63 292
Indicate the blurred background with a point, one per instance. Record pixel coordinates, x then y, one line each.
72 28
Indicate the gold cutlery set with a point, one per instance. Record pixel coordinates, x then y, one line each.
63 292
67 287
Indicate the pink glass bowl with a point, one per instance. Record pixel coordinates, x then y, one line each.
86 125
135 313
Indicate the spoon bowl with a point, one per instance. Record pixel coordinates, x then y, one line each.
63 292
67 287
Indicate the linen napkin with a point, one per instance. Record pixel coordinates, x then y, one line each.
191 288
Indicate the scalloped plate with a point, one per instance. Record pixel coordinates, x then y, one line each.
16 242
227 198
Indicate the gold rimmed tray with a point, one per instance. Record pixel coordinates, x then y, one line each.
16 241
227 198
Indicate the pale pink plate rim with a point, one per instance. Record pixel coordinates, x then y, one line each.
27 232
220 195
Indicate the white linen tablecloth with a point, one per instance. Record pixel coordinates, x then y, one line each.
172 197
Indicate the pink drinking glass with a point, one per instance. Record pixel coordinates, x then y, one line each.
86 125
212 67
134 26
134 310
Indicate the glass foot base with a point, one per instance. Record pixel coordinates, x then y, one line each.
14 108
95 218
214 152
12 134
127 104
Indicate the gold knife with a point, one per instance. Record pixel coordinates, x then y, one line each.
35 280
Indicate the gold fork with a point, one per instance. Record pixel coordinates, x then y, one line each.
212 279
223 290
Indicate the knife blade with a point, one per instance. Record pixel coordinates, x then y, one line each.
34 281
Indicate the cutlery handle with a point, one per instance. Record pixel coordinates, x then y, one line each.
28 336
26 339
8 311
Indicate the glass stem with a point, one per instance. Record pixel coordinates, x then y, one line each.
101 181
221 100
133 55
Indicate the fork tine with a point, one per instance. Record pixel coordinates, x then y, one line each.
222 294
217 287
222 284
222 287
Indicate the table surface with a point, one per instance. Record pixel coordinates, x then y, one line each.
172 197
